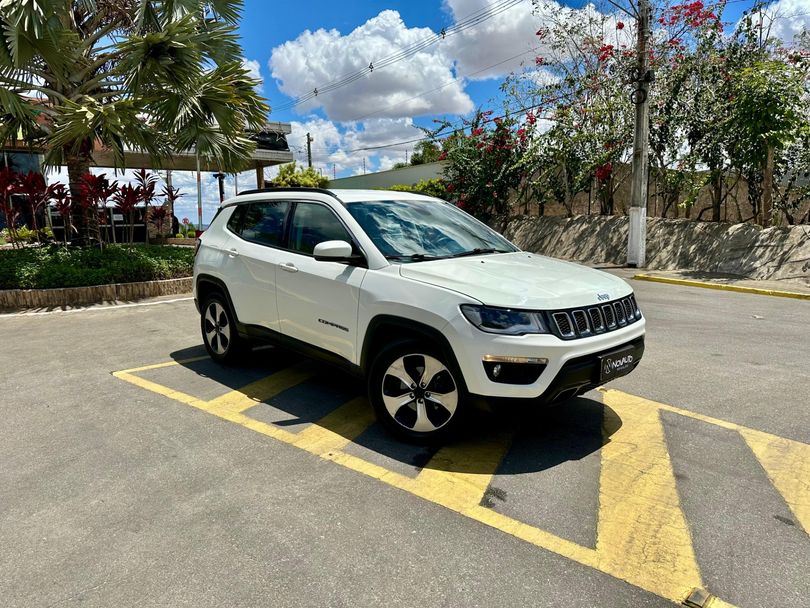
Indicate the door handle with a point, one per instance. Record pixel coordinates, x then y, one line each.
289 267
233 253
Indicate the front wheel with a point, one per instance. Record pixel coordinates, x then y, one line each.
219 331
415 393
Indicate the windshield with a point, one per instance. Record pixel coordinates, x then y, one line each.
415 230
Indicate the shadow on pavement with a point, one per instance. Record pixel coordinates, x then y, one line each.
542 436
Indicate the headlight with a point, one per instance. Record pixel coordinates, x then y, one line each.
504 320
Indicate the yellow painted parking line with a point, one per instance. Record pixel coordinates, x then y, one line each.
337 429
787 464
723 286
642 535
160 389
458 475
144 368
246 397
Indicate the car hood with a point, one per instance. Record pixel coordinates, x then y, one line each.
519 280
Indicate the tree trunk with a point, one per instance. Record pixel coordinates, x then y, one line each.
717 195
767 188
77 165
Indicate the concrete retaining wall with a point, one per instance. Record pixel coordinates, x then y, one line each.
18 299
744 250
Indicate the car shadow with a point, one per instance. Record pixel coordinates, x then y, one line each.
542 436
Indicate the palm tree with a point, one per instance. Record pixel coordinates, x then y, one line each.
152 75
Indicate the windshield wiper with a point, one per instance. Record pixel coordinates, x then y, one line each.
477 251
414 257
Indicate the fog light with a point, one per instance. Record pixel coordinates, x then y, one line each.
513 370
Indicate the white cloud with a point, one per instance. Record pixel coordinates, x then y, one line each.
254 69
507 38
786 19
314 59
340 150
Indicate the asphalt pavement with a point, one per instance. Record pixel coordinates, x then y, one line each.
136 472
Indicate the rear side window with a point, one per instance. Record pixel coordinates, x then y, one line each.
264 222
235 221
313 224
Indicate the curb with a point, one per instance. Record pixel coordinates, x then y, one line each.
723 287
14 300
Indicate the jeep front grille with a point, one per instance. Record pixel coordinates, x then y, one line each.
593 320
562 322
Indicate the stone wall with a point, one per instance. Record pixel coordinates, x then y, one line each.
744 250
20 299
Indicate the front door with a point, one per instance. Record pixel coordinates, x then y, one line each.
318 301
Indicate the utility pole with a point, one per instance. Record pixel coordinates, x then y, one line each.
406 156
309 150
637 238
364 165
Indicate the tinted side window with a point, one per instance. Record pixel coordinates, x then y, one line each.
313 224
235 221
264 222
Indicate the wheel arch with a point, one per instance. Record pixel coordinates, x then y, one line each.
388 329
207 285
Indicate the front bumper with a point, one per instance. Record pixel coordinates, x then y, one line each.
572 368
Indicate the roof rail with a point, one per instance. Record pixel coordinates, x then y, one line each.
288 189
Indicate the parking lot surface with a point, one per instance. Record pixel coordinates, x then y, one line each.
135 471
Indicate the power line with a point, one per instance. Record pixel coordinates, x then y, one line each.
454 127
470 21
444 85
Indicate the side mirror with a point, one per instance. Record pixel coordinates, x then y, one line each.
335 251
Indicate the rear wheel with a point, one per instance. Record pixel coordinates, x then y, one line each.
414 392
219 331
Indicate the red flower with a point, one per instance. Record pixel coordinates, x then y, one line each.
530 118
450 187
540 60
619 25
605 52
603 172
442 156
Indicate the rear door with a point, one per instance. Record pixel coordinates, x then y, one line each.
254 254
318 301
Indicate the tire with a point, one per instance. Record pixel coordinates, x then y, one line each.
219 332
415 394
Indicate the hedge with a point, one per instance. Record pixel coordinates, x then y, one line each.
56 266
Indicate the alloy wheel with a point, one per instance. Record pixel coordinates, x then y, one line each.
217 328
419 393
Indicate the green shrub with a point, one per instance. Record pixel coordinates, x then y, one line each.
304 177
53 266
429 187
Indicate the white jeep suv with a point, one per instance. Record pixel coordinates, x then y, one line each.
428 304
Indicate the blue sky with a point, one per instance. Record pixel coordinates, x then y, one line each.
295 47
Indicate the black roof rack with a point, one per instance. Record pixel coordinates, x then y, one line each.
288 189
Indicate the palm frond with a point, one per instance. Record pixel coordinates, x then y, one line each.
156 59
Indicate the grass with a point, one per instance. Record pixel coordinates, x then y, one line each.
57 266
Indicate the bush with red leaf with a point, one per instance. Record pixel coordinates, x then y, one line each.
127 198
